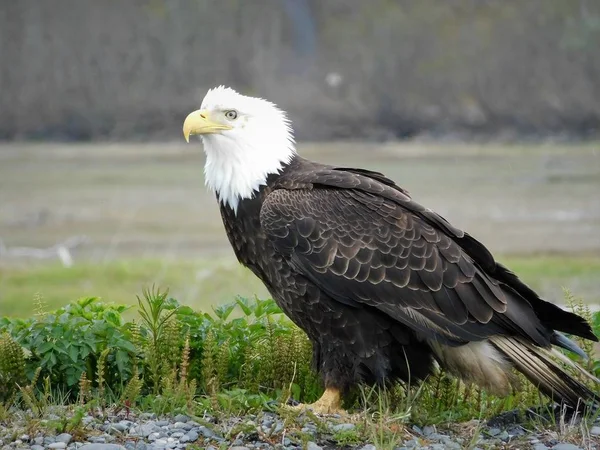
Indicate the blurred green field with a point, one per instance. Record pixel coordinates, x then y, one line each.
148 219
201 284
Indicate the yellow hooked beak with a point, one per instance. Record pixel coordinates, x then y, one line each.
199 122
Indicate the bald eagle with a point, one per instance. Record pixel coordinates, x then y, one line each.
385 288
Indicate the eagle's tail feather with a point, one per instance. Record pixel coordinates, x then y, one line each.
539 368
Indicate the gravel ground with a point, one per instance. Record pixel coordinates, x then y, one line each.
270 431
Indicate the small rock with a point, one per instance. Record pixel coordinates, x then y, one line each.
178 425
278 427
566 446
58 445
437 447
412 443
102 447
181 418
153 436
206 432
118 427
428 430
191 436
25 438
343 427
177 435
97 439
39 441
436 437
450 444
239 447
162 423
417 430
595 431
37 447
369 447
146 429
48 440
504 436
313 446
64 437
539 446
494 431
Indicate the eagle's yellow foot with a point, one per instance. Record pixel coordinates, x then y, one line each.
329 403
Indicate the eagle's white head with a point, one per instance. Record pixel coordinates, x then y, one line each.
245 139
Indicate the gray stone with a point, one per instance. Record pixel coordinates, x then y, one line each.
313 446
37 447
437 447
239 447
39 440
428 430
595 431
539 446
436 437
412 443
162 423
278 427
181 418
154 436
190 436
97 439
101 447
177 434
494 431
343 427
146 429
48 440
565 446
119 427
25 438
369 447
64 437
178 425
504 436
58 445
206 432
450 444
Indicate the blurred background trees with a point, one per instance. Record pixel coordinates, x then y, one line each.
111 69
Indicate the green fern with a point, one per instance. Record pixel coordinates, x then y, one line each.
12 367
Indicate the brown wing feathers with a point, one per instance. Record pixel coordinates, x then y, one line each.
366 244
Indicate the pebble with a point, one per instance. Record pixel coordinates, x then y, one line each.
428 430
181 418
57 445
147 432
343 427
102 447
566 447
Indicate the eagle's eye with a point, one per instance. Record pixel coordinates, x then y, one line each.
231 114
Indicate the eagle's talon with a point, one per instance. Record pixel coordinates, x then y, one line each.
329 403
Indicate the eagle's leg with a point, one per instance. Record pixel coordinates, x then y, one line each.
329 403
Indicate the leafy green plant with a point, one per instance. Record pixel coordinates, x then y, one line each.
161 332
69 341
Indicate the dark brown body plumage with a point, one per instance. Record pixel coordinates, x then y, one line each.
378 282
